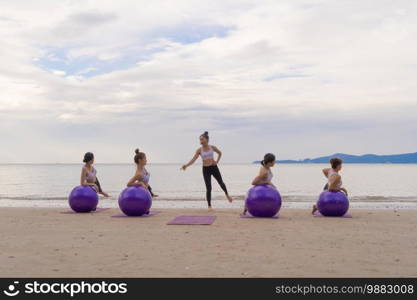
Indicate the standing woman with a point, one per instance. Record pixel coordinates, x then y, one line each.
88 174
142 176
210 167
334 180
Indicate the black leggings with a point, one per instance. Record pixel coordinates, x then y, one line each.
207 172
98 185
150 190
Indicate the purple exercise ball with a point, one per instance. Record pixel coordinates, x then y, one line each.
135 201
263 201
333 204
83 198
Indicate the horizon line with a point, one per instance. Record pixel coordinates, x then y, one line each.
283 162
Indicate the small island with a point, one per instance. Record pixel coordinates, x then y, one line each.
406 158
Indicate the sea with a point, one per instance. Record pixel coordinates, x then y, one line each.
370 186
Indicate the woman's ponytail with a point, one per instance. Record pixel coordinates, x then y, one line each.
138 156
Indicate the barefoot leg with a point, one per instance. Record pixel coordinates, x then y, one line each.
314 209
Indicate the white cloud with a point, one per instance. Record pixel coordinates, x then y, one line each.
59 72
276 68
87 70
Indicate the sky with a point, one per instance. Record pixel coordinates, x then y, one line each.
297 78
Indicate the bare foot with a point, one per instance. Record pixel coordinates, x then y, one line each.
105 194
314 209
210 208
229 198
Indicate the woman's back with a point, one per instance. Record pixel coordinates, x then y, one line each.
330 175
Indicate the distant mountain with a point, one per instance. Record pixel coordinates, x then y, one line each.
407 158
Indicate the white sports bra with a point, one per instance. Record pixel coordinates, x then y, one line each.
91 176
207 155
146 176
270 175
332 173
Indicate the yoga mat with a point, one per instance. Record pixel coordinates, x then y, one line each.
319 215
192 220
151 213
249 216
98 209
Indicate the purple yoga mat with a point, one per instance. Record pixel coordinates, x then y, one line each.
192 220
249 216
99 209
319 215
151 213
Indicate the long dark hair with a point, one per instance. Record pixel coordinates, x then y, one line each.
138 156
205 135
268 158
88 156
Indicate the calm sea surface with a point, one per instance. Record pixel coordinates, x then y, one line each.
50 184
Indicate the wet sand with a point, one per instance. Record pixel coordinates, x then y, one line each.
42 242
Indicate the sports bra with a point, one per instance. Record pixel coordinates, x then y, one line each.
146 176
270 175
91 175
332 173
207 155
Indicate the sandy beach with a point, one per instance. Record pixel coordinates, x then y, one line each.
42 242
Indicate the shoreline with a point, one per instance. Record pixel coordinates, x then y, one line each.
201 204
39 242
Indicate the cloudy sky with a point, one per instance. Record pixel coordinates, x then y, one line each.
297 78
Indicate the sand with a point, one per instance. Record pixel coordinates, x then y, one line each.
42 242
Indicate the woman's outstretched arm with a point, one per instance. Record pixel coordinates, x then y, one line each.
197 153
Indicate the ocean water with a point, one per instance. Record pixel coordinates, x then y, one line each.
369 185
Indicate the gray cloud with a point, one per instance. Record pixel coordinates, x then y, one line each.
91 18
287 77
